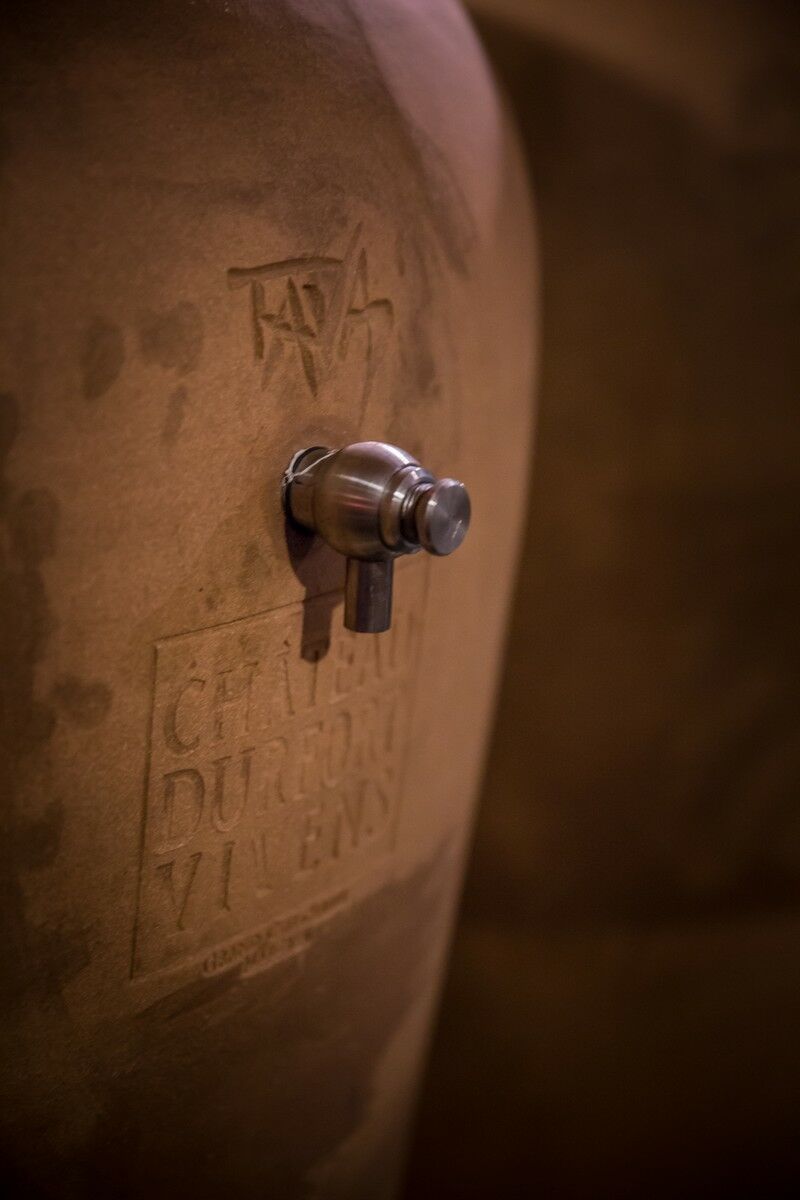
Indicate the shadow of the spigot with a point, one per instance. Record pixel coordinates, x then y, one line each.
321 572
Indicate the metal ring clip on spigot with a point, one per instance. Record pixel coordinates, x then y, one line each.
373 502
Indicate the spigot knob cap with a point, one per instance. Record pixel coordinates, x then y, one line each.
441 516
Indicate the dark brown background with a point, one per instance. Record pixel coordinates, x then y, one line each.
622 1016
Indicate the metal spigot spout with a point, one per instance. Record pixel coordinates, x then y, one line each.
368 595
374 502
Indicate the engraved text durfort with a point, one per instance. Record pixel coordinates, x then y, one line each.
274 775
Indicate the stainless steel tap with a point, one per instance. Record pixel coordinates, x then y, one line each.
374 502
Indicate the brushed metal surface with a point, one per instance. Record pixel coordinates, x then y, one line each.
373 503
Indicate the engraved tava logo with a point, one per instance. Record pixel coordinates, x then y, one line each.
304 312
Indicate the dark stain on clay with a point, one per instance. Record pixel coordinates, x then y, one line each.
42 958
83 704
39 956
38 840
9 428
253 570
306 1036
33 523
172 339
29 538
102 357
173 421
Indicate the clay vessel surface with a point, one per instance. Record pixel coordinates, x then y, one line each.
234 832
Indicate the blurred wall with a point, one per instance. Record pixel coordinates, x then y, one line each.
621 1017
